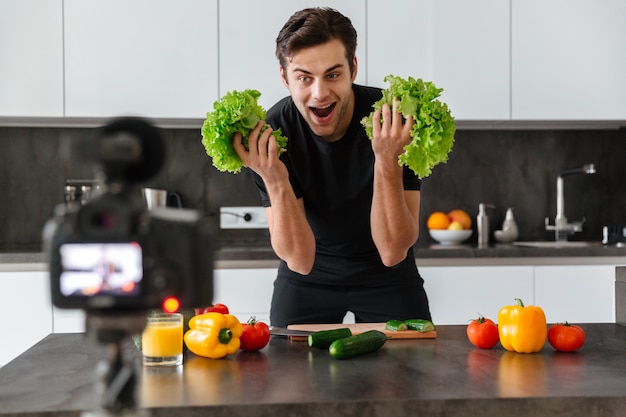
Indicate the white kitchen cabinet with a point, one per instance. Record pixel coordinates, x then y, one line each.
463 47
246 292
151 58
458 294
576 294
31 58
248 43
496 60
569 60
27 311
68 321
573 293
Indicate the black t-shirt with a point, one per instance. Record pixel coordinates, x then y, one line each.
334 179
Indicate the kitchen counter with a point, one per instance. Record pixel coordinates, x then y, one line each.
445 376
261 255
264 251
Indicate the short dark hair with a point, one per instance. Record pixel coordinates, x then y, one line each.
315 26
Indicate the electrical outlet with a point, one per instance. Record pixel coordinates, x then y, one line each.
243 218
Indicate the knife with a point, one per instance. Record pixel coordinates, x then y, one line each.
291 334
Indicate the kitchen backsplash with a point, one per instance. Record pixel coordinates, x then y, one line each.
506 168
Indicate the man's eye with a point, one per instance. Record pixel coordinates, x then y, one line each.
333 76
303 79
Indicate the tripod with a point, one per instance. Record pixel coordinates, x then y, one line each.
117 378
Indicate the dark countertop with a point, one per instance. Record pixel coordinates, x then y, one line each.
232 251
260 254
445 377
463 253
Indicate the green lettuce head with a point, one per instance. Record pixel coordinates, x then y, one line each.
237 111
432 136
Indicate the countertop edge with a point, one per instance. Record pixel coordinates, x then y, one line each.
459 407
262 256
420 262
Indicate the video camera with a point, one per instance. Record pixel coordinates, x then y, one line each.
114 255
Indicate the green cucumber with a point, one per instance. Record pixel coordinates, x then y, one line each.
323 338
360 344
421 325
396 326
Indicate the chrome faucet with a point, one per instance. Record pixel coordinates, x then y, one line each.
561 227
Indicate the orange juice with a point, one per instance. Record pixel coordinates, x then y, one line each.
162 340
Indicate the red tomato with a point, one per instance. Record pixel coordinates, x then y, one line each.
217 308
566 337
483 333
255 336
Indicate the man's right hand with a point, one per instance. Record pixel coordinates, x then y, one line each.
262 154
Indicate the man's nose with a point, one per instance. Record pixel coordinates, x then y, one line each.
320 89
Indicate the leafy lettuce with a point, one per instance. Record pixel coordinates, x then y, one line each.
432 136
237 111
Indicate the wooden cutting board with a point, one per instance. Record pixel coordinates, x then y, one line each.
357 328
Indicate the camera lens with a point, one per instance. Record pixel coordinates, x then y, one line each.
106 217
103 220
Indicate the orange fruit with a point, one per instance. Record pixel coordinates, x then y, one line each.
461 217
438 220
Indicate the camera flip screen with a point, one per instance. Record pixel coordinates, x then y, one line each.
92 269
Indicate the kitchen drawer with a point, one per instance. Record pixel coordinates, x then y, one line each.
246 292
26 296
577 294
458 294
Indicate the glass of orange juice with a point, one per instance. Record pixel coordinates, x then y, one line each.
162 340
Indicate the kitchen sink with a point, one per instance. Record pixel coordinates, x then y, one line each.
556 245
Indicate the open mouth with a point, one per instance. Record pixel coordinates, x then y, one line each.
323 112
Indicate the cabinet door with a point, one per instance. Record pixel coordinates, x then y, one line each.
458 294
248 43
569 59
31 58
246 292
152 58
463 47
30 312
577 294
68 321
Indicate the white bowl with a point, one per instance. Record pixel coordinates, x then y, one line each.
450 237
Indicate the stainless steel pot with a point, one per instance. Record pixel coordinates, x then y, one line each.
155 197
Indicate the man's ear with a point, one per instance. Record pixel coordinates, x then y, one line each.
283 76
356 68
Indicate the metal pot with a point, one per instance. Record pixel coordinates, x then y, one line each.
155 197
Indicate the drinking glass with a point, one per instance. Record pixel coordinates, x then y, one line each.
162 340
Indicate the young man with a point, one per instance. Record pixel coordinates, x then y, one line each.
343 216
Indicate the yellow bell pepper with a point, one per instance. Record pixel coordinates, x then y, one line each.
213 335
522 329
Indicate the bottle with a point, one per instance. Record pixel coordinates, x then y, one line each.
509 232
482 224
509 225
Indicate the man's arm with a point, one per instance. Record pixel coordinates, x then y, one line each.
394 215
395 224
290 233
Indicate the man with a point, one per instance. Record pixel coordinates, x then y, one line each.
343 216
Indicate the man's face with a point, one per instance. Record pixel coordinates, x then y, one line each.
320 83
